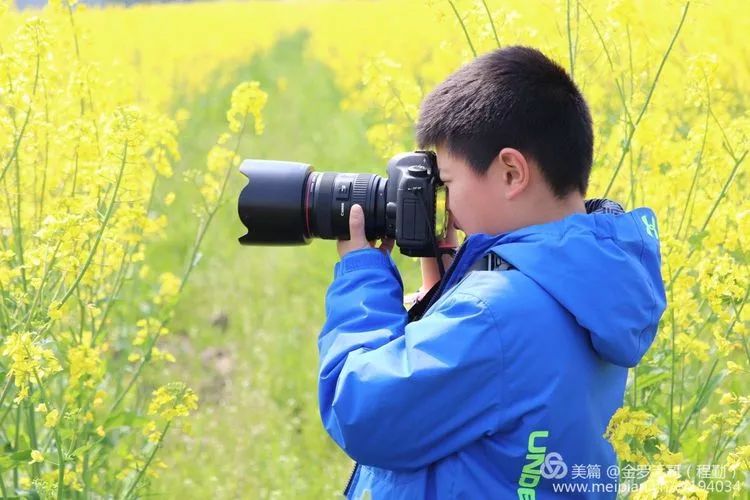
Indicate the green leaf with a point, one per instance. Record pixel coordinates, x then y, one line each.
10 460
696 239
646 381
81 449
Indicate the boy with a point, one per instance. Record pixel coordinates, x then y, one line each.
504 387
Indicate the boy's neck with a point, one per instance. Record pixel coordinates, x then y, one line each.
561 209
544 210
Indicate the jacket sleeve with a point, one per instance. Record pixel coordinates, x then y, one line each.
400 396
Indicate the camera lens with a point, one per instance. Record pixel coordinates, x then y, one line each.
287 203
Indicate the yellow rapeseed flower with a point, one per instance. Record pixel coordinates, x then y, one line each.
169 288
667 485
36 457
247 100
728 398
627 428
86 364
173 400
28 361
52 418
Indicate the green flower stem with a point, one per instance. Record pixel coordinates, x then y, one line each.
492 23
571 54
697 170
190 265
628 141
119 280
14 159
107 216
148 462
14 153
58 442
2 487
671 443
463 27
719 450
32 436
397 95
721 196
47 268
5 392
702 393
15 444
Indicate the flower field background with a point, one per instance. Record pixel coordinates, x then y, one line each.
145 352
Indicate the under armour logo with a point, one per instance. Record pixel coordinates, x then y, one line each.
650 226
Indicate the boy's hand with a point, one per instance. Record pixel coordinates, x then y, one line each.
357 240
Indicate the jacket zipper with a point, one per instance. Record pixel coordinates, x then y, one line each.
351 477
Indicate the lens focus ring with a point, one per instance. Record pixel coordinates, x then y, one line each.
359 191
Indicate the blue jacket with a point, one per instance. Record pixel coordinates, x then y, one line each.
504 388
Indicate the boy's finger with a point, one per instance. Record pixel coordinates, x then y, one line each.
357 225
386 244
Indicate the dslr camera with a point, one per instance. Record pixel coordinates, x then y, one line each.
288 203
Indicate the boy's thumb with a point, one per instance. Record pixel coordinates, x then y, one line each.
357 224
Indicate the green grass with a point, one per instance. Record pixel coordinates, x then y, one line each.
246 327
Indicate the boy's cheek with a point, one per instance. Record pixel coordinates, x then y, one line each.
456 220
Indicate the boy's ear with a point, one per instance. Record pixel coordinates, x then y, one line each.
514 170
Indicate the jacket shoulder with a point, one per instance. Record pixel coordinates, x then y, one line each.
507 293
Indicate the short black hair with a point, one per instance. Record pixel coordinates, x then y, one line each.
512 97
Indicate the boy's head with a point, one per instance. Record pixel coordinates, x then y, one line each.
513 138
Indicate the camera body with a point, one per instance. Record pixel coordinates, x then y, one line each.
413 185
288 203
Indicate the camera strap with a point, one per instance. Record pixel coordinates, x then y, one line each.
416 311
